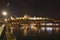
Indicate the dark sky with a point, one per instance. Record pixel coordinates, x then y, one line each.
45 8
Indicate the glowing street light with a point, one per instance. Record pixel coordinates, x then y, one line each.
4 13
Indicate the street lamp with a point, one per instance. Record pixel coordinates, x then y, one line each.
4 13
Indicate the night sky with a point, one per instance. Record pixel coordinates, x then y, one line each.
44 8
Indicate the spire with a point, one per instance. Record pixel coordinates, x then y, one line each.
26 16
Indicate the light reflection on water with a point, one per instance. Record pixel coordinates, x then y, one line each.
25 32
38 30
43 29
33 31
57 29
49 29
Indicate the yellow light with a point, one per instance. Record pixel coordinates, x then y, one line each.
56 24
57 29
35 29
17 18
40 18
43 18
11 17
34 18
31 18
25 17
32 26
37 18
49 24
25 32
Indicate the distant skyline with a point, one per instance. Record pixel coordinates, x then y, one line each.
44 8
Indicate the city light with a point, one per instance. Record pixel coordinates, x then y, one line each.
4 13
49 28
12 18
43 24
5 20
49 24
40 18
43 18
25 32
56 24
34 18
17 18
57 28
42 28
32 26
